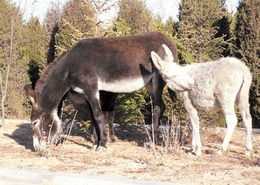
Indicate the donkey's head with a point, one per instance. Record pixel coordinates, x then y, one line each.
45 124
174 75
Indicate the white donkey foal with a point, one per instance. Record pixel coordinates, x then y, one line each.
217 84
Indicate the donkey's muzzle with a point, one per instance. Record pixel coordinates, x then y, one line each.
39 145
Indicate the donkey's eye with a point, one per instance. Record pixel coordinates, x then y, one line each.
34 123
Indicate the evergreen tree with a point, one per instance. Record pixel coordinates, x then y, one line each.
51 23
135 15
224 30
247 32
13 65
34 47
78 21
133 18
197 29
202 37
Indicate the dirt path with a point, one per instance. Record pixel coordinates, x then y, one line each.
128 159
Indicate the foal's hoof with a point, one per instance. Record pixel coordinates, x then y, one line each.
248 153
197 152
220 151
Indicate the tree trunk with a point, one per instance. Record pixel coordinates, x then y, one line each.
4 89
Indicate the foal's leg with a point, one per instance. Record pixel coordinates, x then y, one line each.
247 119
231 121
196 142
193 113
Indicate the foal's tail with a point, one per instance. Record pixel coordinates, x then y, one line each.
243 106
242 99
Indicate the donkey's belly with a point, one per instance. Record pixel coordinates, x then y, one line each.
124 85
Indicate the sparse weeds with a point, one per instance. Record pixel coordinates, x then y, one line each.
168 138
59 138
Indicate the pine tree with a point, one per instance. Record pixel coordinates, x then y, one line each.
133 18
247 32
197 29
34 47
78 21
202 37
51 23
224 30
135 15
13 65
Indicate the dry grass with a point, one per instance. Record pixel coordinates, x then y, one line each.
127 158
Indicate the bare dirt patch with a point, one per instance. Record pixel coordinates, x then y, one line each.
126 158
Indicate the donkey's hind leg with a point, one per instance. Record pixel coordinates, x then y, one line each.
108 105
109 118
247 119
156 90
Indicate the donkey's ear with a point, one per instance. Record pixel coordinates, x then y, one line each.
168 54
30 93
157 61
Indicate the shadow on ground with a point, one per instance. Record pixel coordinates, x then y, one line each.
125 132
22 135
131 133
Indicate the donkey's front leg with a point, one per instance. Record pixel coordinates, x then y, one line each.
99 121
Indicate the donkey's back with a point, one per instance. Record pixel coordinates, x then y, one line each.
117 64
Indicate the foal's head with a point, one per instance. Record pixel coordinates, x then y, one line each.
45 124
174 75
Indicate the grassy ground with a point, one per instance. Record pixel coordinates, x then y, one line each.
127 158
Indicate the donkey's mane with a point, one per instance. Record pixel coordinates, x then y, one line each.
47 70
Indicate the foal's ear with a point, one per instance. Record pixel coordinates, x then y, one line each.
157 61
30 93
168 54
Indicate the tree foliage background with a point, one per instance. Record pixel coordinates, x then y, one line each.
247 47
204 31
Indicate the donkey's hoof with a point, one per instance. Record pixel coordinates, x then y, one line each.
94 147
101 149
113 139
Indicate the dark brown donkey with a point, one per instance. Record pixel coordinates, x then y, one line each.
94 65
107 101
